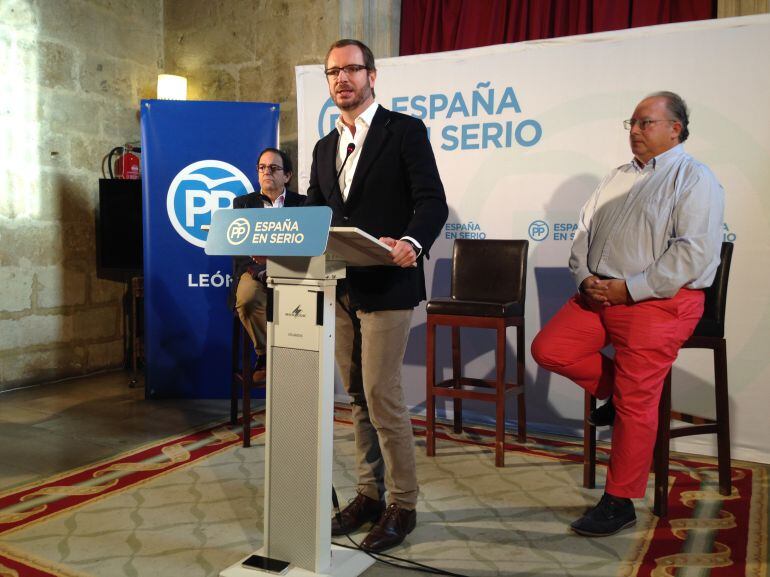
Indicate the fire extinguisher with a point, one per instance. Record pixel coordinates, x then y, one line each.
126 164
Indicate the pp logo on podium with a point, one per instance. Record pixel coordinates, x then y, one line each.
199 190
238 231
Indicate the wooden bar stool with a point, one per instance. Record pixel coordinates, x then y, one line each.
489 281
241 382
708 334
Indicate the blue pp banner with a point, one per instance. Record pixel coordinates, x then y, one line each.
295 231
196 158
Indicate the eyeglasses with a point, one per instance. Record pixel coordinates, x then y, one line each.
349 70
263 168
643 124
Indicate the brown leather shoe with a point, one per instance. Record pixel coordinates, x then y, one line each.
360 510
392 528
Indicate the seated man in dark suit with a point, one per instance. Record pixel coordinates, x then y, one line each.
249 294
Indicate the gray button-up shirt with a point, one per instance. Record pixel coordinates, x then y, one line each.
658 227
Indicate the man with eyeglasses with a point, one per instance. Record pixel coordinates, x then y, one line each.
377 172
648 241
249 291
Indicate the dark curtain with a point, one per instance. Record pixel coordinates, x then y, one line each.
439 25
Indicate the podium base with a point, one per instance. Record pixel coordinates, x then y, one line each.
345 563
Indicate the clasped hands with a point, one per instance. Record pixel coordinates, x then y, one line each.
604 293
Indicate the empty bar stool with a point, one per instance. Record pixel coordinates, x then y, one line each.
242 378
488 290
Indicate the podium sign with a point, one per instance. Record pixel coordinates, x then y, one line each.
295 231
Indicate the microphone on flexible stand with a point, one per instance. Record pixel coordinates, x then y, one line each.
348 152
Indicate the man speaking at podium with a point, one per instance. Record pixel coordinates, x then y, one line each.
377 172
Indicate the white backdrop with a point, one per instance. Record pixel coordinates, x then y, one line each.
522 135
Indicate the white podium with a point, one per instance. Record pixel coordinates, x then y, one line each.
300 408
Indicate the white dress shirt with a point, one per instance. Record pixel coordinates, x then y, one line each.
277 203
362 123
658 227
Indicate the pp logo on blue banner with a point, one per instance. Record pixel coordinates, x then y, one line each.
199 190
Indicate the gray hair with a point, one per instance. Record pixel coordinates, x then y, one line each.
677 108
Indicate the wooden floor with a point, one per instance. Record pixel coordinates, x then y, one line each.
52 428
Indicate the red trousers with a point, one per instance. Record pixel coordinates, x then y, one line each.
646 337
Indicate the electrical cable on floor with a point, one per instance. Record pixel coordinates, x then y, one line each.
415 565
382 557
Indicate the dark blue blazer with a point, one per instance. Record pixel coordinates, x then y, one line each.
396 191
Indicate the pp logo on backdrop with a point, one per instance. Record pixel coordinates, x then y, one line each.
538 230
238 231
199 190
327 117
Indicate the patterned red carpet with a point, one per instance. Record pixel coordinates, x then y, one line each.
705 534
36 503
720 536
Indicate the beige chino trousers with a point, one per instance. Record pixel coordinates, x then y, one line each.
251 306
369 352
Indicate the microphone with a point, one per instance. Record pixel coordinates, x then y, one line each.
348 152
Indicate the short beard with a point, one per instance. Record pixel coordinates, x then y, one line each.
356 102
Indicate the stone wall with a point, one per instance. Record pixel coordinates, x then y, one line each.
74 72
247 50
732 8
